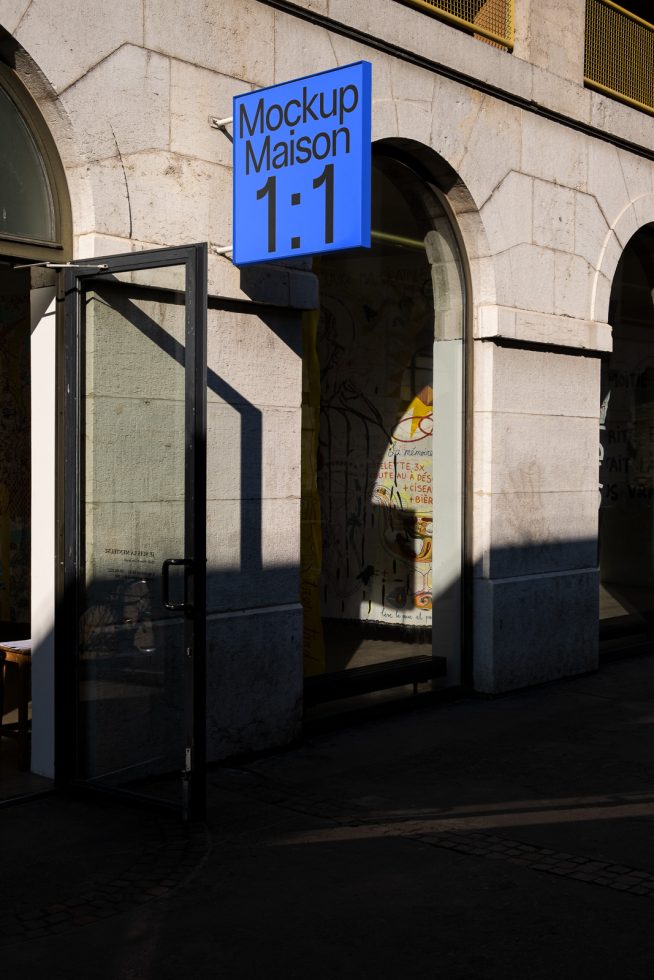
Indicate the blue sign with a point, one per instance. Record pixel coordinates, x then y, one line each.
302 166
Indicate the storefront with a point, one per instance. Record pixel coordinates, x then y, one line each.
127 342
236 497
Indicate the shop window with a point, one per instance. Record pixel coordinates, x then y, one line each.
35 226
626 518
382 447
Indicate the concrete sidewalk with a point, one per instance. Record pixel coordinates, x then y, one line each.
493 839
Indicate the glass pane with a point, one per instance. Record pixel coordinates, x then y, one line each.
375 349
26 209
131 647
373 448
626 519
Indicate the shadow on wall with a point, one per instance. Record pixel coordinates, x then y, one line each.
535 604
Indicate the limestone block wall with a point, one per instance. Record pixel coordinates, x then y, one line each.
541 207
127 91
253 528
548 36
544 209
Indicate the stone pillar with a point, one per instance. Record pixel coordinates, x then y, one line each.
536 425
551 35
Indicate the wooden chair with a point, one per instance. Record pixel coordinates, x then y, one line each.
17 655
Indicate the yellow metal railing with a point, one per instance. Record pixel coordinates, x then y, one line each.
489 20
619 54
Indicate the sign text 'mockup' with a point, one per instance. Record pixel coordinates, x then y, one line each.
265 121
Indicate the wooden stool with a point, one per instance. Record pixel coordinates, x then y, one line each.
18 653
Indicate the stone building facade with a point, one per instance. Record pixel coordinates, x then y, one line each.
531 185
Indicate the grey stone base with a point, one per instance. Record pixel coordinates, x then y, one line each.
534 628
254 680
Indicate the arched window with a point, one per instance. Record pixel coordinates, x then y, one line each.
383 439
34 219
626 516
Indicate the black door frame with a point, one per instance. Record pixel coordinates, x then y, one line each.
67 745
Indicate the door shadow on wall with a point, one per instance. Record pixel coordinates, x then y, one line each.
231 589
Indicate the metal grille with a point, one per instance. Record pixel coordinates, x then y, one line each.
619 55
489 20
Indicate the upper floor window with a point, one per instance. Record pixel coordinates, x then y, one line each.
34 207
488 20
619 53
26 207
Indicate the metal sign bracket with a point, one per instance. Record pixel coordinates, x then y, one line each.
61 265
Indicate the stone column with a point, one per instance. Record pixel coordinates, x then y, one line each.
551 36
536 497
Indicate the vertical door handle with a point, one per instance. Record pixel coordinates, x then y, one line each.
165 583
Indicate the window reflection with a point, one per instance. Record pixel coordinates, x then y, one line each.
368 427
627 445
26 208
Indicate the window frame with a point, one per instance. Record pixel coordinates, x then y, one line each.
19 247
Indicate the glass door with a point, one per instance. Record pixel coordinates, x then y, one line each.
135 523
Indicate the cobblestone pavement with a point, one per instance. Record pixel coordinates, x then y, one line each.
580 868
511 838
356 824
160 860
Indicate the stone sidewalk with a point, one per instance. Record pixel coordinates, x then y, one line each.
489 839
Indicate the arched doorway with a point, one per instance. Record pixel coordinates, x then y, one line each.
35 228
626 517
383 451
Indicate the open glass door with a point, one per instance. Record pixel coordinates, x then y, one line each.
135 523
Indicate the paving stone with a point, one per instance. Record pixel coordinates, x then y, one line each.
559 863
57 918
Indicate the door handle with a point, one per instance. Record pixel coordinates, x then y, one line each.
165 583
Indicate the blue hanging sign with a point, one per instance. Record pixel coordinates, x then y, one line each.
302 159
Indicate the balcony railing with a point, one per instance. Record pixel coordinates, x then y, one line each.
489 20
619 55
